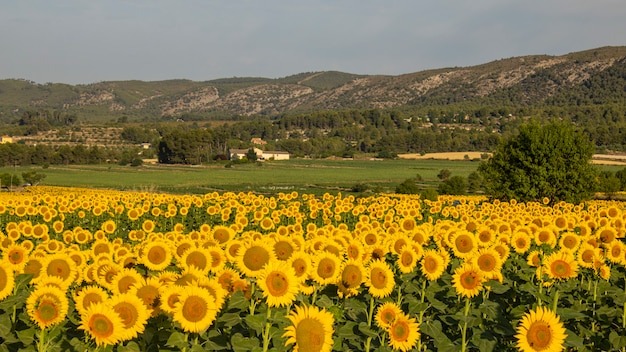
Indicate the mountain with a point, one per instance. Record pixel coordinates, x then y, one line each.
596 76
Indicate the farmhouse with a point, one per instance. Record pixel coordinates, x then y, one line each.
260 154
258 141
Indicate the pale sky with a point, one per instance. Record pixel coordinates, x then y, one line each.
87 41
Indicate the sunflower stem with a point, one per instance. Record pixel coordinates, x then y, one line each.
41 344
540 278
624 315
370 314
421 317
252 300
556 300
399 295
266 332
464 329
595 295
314 297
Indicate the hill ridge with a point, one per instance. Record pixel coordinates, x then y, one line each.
523 80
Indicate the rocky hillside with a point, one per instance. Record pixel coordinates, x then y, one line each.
528 80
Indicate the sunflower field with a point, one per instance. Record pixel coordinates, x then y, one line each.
85 270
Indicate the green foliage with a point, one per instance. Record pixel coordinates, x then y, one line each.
444 174
33 177
550 160
455 185
429 193
9 180
251 155
408 186
474 182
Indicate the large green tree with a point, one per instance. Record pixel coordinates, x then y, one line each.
551 160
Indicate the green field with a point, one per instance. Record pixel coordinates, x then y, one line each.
302 175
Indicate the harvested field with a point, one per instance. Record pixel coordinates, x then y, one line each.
598 159
443 156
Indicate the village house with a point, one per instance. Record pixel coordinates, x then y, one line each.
258 141
260 154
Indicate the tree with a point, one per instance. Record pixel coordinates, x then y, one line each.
9 180
474 182
33 177
543 161
455 185
251 155
621 175
408 186
443 174
608 183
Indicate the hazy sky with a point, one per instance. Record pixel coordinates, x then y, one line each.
86 41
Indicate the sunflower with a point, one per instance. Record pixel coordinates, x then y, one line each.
103 324
432 264
284 247
17 256
488 261
109 226
183 245
133 312
325 268
58 226
570 241
278 283
226 277
217 292
253 256
104 272
311 329
33 267
546 235
606 234
397 241
407 259
403 333
148 291
351 277
467 280
223 234
53 281
87 296
61 265
156 255
124 280
521 241
101 246
560 265
386 314
464 244
354 249
169 297
195 310
148 226
196 257
218 258
615 251
47 305
540 330
380 280
604 271
486 236
301 263
188 276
